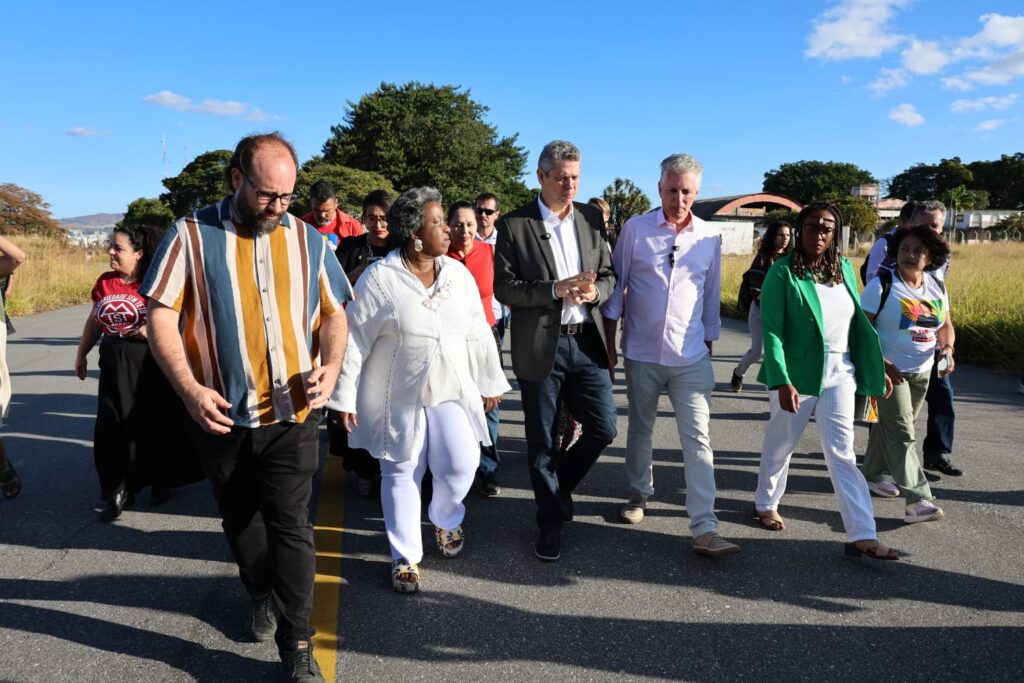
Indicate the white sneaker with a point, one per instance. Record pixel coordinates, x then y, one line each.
923 510
884 489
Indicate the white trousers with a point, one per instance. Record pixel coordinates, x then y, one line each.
753 354
689 389
834 413
452 451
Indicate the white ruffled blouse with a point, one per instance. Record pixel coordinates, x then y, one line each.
411 346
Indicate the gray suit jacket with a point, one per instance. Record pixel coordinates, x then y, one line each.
524 272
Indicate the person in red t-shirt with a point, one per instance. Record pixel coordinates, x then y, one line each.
327 218
125 416
478 257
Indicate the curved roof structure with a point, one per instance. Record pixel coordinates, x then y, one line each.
723 207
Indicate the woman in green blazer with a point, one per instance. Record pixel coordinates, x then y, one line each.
819 351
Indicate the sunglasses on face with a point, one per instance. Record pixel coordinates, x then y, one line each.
486 212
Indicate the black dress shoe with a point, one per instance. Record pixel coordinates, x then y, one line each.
114 506
944 466
549 546
487 485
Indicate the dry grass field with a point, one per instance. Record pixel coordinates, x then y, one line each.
54 275
986 292
986 286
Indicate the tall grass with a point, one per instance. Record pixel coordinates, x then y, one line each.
986 290
986 295
54 275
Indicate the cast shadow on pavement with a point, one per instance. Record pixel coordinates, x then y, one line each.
196 660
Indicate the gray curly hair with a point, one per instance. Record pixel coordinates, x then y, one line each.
407 213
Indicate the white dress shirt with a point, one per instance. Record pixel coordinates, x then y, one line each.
667 289
566 248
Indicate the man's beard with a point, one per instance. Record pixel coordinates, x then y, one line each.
260 222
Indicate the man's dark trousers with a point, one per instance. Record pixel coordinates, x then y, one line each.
938 443
580 377
262 479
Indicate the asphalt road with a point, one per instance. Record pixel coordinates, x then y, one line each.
155 596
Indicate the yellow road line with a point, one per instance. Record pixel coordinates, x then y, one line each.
328 531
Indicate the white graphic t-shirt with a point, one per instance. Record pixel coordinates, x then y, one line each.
908 321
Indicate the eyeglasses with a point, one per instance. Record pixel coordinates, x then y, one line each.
672 256
486 212
269 197
820 229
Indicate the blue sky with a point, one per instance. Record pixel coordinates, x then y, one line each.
744 86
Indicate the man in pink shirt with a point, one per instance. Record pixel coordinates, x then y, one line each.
327 218
668 264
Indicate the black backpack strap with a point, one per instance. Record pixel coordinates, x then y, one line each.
885 279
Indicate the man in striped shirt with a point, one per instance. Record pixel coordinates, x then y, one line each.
246 320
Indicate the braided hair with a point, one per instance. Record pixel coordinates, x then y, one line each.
831 268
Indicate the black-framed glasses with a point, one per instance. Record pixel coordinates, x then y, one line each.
672 256
486 212
820 229
269 197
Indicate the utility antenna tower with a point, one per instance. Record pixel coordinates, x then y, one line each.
163 144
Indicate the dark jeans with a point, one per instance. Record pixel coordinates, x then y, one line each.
580 377
938 444
490 459
262 479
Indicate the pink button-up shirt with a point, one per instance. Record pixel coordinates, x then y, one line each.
667 289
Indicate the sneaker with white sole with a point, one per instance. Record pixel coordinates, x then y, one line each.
923 510
884 489
633 511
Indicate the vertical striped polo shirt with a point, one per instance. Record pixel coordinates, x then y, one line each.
250 307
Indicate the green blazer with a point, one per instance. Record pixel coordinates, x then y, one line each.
794 339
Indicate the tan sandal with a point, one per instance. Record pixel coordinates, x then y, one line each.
771 520
449 543
400 568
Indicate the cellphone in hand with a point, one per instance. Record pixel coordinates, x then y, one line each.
943 363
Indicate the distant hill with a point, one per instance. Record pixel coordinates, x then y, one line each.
93 220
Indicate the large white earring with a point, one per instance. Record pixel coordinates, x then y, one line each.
417 244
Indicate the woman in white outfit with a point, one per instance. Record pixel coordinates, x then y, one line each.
819 350
420 370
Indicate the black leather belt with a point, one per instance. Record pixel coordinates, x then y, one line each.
576 328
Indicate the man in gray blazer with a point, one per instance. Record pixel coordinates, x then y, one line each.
552 267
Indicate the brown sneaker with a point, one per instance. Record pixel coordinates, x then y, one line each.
714 545
633 511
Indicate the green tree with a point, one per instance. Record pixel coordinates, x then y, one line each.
350 184
147 211
858 213
1003 179
961 199
24 211
929 181
806 181
626 200
415 134
201 182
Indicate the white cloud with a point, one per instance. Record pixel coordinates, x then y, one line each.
906 114
992 124
891 79
924 57
984 103
844 79
83 132
998 30
998 72
170 100
213 106
957 83
854 28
